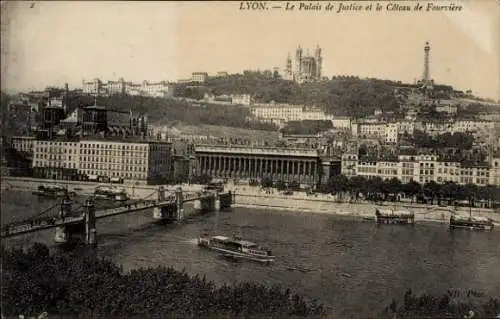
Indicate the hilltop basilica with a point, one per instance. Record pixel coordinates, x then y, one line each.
307 67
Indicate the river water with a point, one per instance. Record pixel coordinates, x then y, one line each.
352 266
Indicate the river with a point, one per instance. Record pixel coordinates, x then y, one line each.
352 266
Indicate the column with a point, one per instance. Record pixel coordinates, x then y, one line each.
307 170
301 171
245 166
314 171
240 166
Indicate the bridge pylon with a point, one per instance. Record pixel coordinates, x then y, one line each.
179 201
90 223
161 194
216 201
63 235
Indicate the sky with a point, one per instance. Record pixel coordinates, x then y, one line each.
50 43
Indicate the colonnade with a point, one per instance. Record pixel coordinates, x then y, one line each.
303 170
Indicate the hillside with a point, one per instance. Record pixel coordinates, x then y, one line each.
162 111
343 96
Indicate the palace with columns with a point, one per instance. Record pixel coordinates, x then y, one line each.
305 166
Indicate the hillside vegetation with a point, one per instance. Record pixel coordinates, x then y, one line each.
172 111
347 96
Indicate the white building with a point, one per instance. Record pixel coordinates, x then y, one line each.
92 87
423 169
391 133
131 160
157 89
282 113
243 99
200 77
153 89
406 127
341 122
494 178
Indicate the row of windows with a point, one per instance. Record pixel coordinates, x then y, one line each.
388 171
50 143
114 147
113 167
54 150
116 174
52 164
115 153
112 160
367 169
53 157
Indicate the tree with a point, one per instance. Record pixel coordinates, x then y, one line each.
470 193
432 190
393 186
412 189
357 184
450 191
337 183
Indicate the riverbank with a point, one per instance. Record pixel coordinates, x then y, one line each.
252 197
87 188
255 197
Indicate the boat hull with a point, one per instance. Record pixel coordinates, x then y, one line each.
236 254
472 227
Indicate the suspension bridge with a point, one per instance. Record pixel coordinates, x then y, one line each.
78 218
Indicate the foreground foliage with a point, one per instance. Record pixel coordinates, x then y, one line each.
452 304
68 284
71 286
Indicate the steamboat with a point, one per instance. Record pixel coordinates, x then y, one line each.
235 248
471 223
387 216
110 193
53 191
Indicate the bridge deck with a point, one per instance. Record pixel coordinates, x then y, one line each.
47 222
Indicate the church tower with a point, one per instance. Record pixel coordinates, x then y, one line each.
288 68
319 61
298 63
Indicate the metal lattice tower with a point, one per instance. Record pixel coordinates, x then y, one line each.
426 76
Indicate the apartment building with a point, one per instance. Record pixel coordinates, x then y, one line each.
243 99
423 169
282 113
341 122
56 159
199 77
494 178
23 143
139 161
152 89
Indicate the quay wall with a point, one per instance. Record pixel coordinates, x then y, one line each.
87 188
325 204
254 197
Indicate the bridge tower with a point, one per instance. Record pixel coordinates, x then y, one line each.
179 201
62 234
90 221
216 201
161 194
